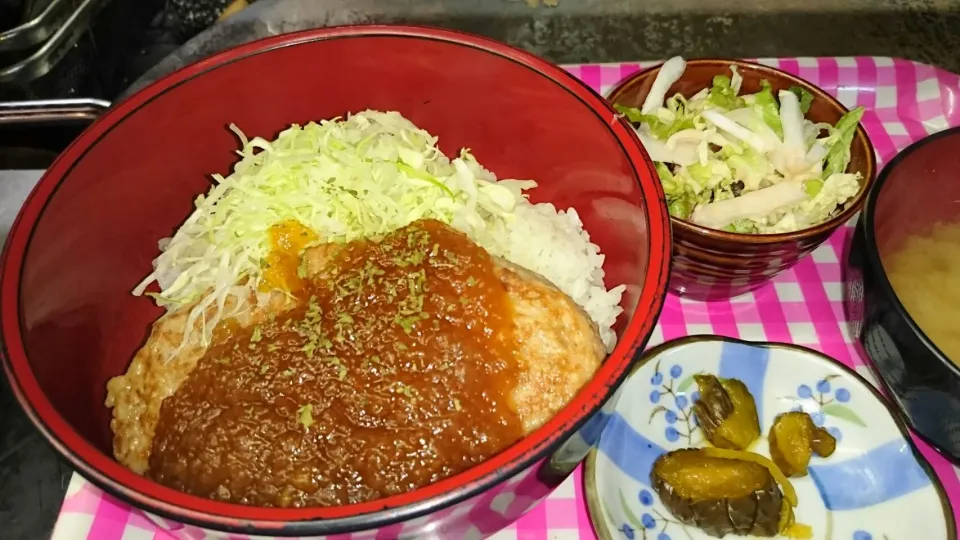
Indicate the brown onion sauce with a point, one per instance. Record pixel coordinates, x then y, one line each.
394 372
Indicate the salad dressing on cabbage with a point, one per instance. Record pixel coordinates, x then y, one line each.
745 163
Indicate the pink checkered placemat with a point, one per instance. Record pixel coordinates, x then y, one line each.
905 101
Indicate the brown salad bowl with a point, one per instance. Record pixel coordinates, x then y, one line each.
711 263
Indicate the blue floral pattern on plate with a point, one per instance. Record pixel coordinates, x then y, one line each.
864 535
650 525
828 402
875 477
673 405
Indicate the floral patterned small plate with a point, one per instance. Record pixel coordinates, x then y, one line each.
875 486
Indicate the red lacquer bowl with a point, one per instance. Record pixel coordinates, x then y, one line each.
88 232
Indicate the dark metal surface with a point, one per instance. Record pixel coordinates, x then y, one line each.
124 40
54 38
51 111
32 133
40 21
33 478
626 30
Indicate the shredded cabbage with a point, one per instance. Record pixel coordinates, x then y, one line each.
718 146
345 179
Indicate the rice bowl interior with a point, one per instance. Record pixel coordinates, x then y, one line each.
351 315
87 235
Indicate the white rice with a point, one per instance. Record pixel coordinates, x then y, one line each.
555 245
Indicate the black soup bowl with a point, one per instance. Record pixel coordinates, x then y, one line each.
916 191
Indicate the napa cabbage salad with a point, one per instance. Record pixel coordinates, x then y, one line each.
745 163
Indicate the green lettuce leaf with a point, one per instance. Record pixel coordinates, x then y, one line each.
742 226
681 208
769 107
671 187
633 114
748 164
813 186
660 129
804 96
722 94
838 155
